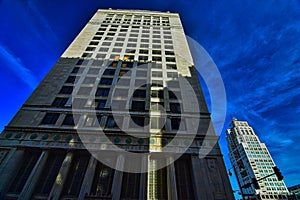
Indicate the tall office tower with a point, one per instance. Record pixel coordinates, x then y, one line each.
121 115
251 159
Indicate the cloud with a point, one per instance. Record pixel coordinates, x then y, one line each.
16 65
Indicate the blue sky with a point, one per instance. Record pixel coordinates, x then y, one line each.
255 45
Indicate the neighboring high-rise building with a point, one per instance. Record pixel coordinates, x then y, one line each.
250 159
108 121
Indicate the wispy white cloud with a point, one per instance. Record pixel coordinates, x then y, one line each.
16 65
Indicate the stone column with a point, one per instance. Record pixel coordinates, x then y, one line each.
171 180
61 177
9 168
88 178
117 182
33 178
143 177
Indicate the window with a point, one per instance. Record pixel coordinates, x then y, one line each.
144 45
172 74
76 174
59 102
103 49
144 51
117 50
102 92
102 56
184 178
87 55
174 95
113 123
157 52
175 107
138 105
94 43
157 94
99 104
131 182
75 70
106 81
71 79
102 181
50 171
171 66
109 72
170 53
139 94
50 118
170 59
145 58
28 162
71 119
157 83
136 122
156 74
156 46
177 123
90 48
96 38
156 59
127 64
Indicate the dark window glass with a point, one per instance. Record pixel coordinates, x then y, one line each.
59 102
113 122
66 90
76 174
156 74
176 123
102 182
102 92
138 106
20 177
50 171
50 118
130 183
87 55
90 48
99 104
70 119
139 93
110 72
136 122
175 107
71 79
184 181
75 70
106 81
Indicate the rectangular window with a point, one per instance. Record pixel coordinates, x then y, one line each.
93 71
50 118
59 102
109 72
137 122
71 119
106 81
99 104
71 79
139 94
113 122
66 90
102 92
102 181
76 174
138 106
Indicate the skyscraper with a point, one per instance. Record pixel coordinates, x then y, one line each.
250 159
121 115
